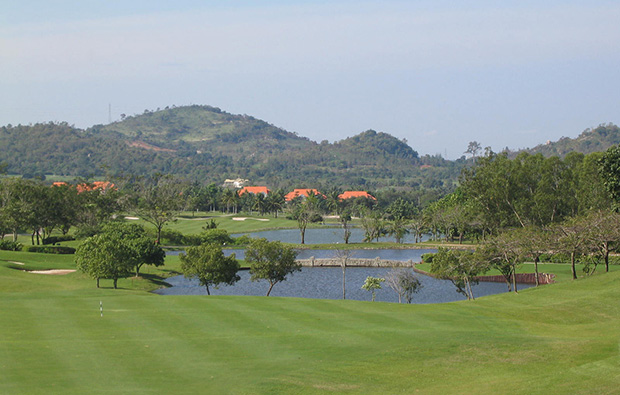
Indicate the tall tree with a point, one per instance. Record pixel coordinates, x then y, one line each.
271 261
158 201
208 263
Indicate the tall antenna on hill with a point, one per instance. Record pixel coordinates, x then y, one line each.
109 112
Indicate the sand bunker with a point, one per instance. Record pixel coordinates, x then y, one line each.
53 272
244 218
132 218
16 263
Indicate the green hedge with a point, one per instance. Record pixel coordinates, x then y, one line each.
10 245
57 239
50 249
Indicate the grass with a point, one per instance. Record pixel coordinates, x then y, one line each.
560 338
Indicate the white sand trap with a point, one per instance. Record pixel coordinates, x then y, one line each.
57 272
132 218
244 218
16 263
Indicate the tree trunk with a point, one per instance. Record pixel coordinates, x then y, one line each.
208 292
514 278
572 265
607 261
97 282
536 260
270 287
115 283
344 268
303 235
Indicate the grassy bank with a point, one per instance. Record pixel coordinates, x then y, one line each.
560 338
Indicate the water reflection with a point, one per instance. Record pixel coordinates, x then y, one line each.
326 283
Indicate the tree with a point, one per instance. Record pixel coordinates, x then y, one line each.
104 256
504 252
609 167
144 250
572 239
343 256
345 219
158 201
603 233
460 267
398 228
372 284
404 283
208 263
473 148
271 261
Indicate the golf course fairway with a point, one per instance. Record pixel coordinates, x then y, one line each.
559 338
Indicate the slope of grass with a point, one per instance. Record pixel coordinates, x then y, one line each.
561 338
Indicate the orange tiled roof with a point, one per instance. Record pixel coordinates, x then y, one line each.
355 194
103 185
254 190
304 192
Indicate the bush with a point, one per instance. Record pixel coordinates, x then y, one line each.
216 236
85 230
10 245
428 257
243 240
57 239
50 249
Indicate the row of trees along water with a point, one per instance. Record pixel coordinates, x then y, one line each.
566 205
494 194
530 208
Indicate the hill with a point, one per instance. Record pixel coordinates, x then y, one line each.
590 140
208 144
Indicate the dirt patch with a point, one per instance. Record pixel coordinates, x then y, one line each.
57 272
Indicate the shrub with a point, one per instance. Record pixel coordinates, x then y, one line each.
57 239
216 236
50 249
10 245
243 240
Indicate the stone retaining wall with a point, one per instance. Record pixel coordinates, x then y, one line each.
354 262
522 278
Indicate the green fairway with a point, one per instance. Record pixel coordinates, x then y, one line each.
560 338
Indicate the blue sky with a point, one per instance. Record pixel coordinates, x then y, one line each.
437 73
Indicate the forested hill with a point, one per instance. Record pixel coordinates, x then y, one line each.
590 140
207 144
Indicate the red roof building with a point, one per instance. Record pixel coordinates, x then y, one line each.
301 192
355 194
254 190
103 185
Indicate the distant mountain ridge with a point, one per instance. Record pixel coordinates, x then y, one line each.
590 140
206 144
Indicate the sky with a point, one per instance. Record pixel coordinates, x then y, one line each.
439 74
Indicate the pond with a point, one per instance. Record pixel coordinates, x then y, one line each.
323 235
326 283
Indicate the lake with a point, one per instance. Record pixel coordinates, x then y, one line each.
326 283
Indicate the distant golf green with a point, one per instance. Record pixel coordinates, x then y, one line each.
560 338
